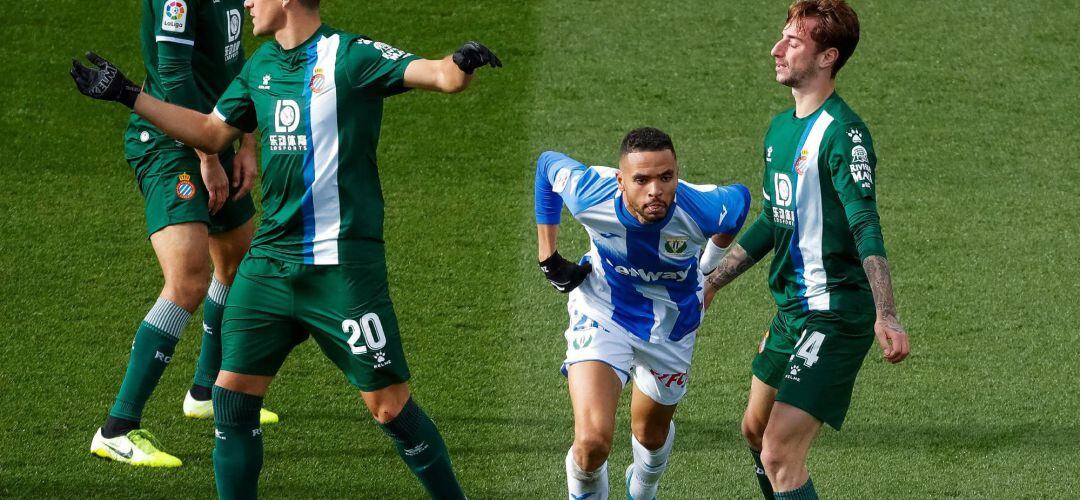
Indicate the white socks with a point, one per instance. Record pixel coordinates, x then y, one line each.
648 466
582 485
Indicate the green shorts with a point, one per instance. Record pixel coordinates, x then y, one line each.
174 193
274 305
812 360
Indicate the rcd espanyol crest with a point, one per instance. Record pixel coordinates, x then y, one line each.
185 189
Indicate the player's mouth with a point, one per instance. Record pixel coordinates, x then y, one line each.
658 207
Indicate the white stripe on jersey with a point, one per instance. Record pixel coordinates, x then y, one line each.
810 219
324 136
173 39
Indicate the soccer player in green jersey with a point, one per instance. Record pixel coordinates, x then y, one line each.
317 265
829 275
197 205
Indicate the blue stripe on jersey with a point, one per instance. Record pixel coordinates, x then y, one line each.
307 203
689 318
793 245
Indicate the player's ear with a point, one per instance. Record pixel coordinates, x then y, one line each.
827 58
618 179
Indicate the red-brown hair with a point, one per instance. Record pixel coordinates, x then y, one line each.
837 26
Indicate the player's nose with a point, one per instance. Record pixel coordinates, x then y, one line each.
778 49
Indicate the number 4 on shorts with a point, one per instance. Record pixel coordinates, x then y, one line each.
807 347
365 334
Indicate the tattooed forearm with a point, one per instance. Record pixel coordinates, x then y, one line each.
877 271
734 263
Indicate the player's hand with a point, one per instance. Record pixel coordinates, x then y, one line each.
245 168
710 293
473 55
563 274
216 182
106 83
892 338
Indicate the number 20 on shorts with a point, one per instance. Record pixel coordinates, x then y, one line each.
365 334
807 347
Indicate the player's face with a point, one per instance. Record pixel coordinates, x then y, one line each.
267 16
648 180
796 54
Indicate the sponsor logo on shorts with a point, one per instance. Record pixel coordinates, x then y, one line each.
667 379
185 189
768 155
220 435
793 373
380 359
174 16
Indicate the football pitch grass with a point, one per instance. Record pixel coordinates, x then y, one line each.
973 109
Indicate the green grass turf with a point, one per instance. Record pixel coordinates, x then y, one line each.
973 108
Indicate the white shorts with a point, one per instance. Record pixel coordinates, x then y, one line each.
661 371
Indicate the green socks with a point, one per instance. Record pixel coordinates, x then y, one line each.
238 445
210 351
804 492
423 450
151 352
762 478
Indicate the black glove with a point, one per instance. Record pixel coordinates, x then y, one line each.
563 274
472 55
106 83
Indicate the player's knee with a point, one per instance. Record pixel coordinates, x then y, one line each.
652 438
776 458
591 449
187 292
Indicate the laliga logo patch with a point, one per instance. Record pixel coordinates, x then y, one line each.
184 188
174 16
801 163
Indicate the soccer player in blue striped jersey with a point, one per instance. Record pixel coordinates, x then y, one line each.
635 299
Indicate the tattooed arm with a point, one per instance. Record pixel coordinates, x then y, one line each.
734 263
890 333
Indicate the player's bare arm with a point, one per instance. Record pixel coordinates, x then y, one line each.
735 262
452 73
245 166
890 333
201 131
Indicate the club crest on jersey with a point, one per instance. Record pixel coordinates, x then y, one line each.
675 247
174 16
185 189
802 162
318 81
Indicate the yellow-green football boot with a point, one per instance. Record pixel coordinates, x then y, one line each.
137 447
193 408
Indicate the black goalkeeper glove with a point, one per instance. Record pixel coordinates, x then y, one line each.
106 83
473 55
563 274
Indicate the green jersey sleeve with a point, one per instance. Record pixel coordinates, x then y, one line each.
758 239
175 21
375 68
235 106
852 164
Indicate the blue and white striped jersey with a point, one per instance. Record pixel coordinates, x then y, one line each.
645 278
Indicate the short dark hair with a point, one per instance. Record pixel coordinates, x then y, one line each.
837 26
646 139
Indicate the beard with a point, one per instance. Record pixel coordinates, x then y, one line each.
653 212
794 77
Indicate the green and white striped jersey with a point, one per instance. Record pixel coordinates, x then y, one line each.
205 35
819 180
318 108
